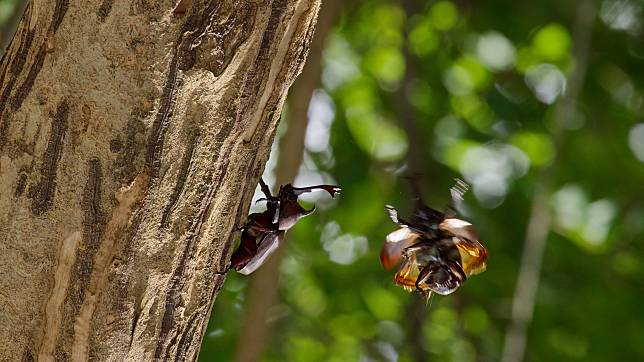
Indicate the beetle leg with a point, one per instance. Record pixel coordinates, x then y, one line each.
422 276
265 189
457 269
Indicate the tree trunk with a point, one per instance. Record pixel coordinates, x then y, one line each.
132 135
263 289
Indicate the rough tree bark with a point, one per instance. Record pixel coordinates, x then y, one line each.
132 135
263 289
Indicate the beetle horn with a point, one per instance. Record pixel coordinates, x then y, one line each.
308 212
331 189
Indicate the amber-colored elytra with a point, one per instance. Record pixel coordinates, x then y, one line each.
436 251
263 232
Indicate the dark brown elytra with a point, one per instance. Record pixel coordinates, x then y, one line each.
436 250
263 232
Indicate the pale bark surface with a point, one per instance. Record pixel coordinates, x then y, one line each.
131 139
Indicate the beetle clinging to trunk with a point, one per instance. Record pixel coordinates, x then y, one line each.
263 232
436 250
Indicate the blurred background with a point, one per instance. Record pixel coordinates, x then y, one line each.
538 105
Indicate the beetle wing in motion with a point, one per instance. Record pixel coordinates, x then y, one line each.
473 253
436 251
267 246
397 241
407 275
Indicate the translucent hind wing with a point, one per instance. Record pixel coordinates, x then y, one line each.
397 241
473 255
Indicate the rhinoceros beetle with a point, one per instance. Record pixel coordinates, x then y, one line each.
263 232
436 250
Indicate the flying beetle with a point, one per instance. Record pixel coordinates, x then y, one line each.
263 232
436 250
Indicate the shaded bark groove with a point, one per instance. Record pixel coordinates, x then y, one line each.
43 193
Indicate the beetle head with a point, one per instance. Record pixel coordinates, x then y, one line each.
443 278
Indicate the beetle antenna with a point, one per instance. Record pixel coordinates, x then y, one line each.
415 188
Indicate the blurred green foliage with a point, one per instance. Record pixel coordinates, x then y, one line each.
6 9
484 81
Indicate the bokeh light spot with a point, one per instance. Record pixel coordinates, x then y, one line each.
539 147
443 15
546 81
496 51
552 43
636 141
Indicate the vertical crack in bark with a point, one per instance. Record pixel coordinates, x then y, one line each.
182 59
184 170
20 184
276 65
187 337
256 75
23 90
43 192
53 310
155 142
225 36
59 13
93 225
17 64
19 61
175 284
127 200
91 202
